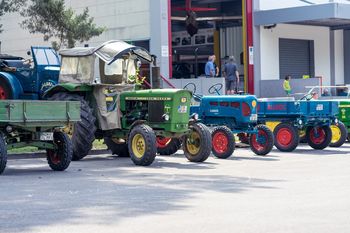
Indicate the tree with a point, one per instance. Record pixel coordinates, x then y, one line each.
7 6
54 20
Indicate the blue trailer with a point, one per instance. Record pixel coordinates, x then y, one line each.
233 114
286 117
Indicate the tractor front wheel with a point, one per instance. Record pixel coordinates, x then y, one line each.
286 137
83 132
168 146
60 158
120 149
197 144
3 153
339 134
142 145
318 137
262 142
223 142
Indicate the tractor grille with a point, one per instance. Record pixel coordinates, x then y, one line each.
156 111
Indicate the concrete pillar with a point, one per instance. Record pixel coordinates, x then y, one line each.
159 42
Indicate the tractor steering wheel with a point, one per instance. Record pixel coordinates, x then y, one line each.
215 89
193 89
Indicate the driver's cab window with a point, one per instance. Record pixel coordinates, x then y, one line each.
113 73
77 69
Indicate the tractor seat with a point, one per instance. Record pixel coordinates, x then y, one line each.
16 64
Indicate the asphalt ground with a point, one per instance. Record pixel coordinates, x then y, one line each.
303 191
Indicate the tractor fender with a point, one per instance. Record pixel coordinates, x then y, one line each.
67 87
14 84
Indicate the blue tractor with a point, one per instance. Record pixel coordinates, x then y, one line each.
28 78
229 115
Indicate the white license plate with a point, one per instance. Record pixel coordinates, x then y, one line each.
46 136
254 117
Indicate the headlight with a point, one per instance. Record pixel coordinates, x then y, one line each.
336 121
195 116
166 117
300 122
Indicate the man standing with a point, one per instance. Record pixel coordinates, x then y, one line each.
209 67
231 75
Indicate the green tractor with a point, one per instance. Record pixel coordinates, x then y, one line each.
135 123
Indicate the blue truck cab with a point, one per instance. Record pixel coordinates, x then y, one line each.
29 78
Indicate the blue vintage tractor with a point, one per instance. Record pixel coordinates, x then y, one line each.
229 115
30 78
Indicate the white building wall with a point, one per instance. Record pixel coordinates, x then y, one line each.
339 56
269 39
123 19
278 4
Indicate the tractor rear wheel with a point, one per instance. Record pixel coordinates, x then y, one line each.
318 137
142 145
5 90
83 132
60 158
197 144
120 149
286 137
223 142
262 142
339 134
168 146
3 153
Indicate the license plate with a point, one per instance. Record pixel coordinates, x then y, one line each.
254 117
46 136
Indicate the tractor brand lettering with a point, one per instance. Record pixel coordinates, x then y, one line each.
276 107
319 107
182 109
344 106
148 98
214 110
183 100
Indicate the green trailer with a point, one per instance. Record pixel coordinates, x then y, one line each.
39 124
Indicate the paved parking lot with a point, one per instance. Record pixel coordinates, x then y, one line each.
304 191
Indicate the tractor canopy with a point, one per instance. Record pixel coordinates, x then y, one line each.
117 60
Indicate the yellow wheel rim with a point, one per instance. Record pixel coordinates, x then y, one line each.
193 143
69 129
336 133
138 146
302 133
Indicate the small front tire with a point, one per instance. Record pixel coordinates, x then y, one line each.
286 137
318 137
262 142
223 142
339 134
60 158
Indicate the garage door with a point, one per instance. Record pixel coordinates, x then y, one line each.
296 58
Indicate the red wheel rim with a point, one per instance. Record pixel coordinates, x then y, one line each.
257 145
220 142
317 137
163 142
3 95
284 136
54 156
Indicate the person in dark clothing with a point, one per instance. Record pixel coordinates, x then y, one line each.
231 75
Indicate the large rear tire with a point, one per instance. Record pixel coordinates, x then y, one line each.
318 137
142 145
120 149
3 153
197 144
262 142
83 132
168 146
223 142
286 137
339 134
60 158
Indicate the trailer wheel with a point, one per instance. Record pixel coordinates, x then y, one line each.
197 144
261 143
339 134
5 90
168 146
142 145
3 153
83 132
120 149
60 158
318 137
223 142
286 137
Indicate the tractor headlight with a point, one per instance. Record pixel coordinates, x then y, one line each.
336 121
300 122
166 117
195 116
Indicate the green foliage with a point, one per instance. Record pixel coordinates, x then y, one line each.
9 6
54 20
